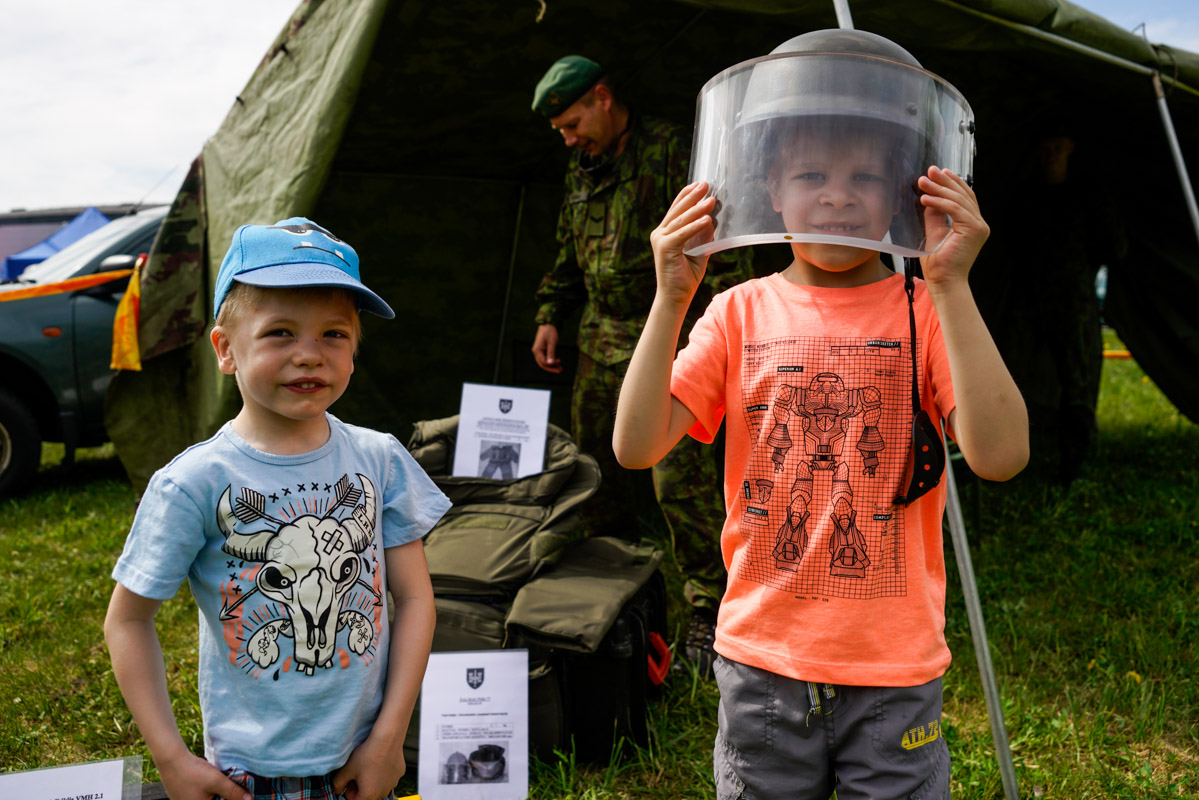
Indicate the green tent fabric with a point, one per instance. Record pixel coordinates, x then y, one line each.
405 128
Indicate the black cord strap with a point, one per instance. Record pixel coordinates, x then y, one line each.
909 286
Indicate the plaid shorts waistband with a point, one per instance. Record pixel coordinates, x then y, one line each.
312 787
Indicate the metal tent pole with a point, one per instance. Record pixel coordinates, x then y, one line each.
1179 164
978 632
844 20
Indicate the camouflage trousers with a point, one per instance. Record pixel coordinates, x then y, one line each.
686 484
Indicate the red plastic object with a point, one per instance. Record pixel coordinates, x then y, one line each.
659 668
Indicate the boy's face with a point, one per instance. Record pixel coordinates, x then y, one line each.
835 185
292 354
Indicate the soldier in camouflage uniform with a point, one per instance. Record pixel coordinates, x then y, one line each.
625 171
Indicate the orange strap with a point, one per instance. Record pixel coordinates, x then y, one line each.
69 285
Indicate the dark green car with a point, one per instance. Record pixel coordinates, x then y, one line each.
55 349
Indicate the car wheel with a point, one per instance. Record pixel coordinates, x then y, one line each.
20 444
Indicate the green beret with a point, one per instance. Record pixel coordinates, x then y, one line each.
565 82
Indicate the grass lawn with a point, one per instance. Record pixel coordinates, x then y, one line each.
1089 595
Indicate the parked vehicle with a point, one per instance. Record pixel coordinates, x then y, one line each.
55 349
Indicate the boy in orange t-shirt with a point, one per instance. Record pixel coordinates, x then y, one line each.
831 632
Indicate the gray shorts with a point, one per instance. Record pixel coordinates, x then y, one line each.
783 738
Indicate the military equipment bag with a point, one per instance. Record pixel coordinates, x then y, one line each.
510 569
500 533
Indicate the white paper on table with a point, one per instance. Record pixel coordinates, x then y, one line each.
501 431
97 780
474 726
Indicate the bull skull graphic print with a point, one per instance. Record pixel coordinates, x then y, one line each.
301 578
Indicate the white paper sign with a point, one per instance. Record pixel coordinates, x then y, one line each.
501 431
474 726
99 780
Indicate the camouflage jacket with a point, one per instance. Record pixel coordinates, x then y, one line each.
604 262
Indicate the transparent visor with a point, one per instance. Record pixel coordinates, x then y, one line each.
826 148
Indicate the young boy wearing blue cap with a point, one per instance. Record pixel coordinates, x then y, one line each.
289 526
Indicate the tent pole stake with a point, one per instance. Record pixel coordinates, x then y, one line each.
978 632
1176 150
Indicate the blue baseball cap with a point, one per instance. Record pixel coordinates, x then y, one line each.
293 252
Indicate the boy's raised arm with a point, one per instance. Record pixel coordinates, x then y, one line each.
137 664
649 420
989 420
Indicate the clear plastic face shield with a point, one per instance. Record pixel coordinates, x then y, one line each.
825 148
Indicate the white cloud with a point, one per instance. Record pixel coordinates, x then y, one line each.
101 100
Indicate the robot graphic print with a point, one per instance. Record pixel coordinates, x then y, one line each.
830 428
304 589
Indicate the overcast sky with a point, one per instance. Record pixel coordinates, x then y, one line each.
109 102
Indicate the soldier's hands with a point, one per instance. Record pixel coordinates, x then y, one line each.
947 194
689 215
545 348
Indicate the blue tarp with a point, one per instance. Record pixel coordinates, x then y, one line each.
89 219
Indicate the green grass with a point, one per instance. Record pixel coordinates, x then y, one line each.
60 540
1088 593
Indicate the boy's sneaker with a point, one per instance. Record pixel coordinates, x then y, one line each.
699 648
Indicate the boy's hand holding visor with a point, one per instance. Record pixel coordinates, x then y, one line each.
947 197
689 217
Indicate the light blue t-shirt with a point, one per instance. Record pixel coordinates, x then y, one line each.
284 556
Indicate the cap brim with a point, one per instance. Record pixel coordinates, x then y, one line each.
290 276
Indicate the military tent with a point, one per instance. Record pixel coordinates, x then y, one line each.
404 127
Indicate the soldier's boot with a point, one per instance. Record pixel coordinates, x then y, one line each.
699 648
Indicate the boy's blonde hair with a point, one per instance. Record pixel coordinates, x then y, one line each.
243 296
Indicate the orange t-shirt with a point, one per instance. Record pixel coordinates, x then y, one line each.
829 580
